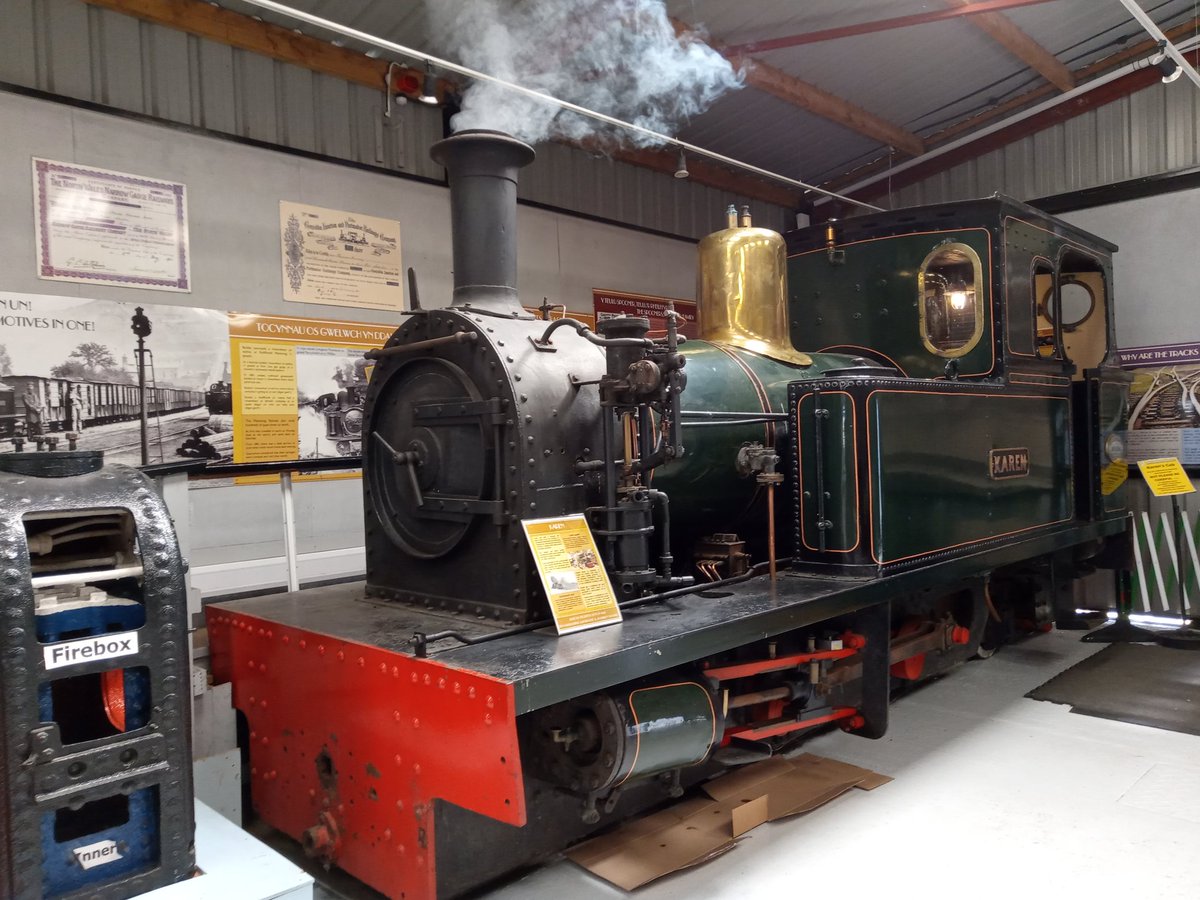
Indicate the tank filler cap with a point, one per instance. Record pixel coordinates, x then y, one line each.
52 463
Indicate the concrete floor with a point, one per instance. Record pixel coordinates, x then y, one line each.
994 795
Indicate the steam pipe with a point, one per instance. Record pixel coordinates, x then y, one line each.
459 337
587 334
474 74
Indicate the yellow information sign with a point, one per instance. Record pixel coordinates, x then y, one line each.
573 575
298 388
1166 477
1113 476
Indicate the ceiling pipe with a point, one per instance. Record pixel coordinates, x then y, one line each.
973 136
400 49
1155 32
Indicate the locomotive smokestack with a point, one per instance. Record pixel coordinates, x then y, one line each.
482 168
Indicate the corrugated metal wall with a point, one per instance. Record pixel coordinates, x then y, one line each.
1148 133
69 48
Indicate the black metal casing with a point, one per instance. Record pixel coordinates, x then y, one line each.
38 774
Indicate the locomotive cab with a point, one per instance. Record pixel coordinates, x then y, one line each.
997 318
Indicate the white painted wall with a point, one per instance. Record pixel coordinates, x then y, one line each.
1157 270
233 198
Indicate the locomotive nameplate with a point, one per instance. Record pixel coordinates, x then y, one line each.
1008 462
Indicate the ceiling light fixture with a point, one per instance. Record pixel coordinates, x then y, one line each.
681 171
1167 67
429 88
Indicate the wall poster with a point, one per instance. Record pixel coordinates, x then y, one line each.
608 304
339 258
220 387
97 226
68 365
299 386
1164 402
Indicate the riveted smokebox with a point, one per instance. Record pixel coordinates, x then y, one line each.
482 169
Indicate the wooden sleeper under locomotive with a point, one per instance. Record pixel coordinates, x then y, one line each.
791 534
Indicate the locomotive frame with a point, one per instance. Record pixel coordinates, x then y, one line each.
409 732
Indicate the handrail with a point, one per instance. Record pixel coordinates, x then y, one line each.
202 469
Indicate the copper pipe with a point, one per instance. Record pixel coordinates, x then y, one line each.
771 529
987 599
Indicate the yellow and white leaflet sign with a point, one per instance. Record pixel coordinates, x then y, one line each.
1166 477
573 575
1113 476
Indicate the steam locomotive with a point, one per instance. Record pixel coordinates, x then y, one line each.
791 534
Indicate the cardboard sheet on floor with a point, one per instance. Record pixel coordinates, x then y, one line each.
698 829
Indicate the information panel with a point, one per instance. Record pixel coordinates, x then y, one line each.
1164 402
1166 477
299 386
573 576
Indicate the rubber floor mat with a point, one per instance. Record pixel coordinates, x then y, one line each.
1138 683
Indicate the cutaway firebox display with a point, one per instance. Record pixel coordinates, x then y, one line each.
95 668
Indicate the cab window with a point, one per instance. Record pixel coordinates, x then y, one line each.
1080 311
1043 301
950 305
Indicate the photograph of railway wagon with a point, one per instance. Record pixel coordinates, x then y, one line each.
69 377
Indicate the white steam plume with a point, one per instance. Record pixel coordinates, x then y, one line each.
619 57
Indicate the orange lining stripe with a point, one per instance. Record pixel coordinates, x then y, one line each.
836 347
763 399
800 471
1030 378
637 750
991 336
992 537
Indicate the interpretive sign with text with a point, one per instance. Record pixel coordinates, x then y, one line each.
573 575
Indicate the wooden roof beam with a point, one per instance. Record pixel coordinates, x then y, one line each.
809 97
1005 33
